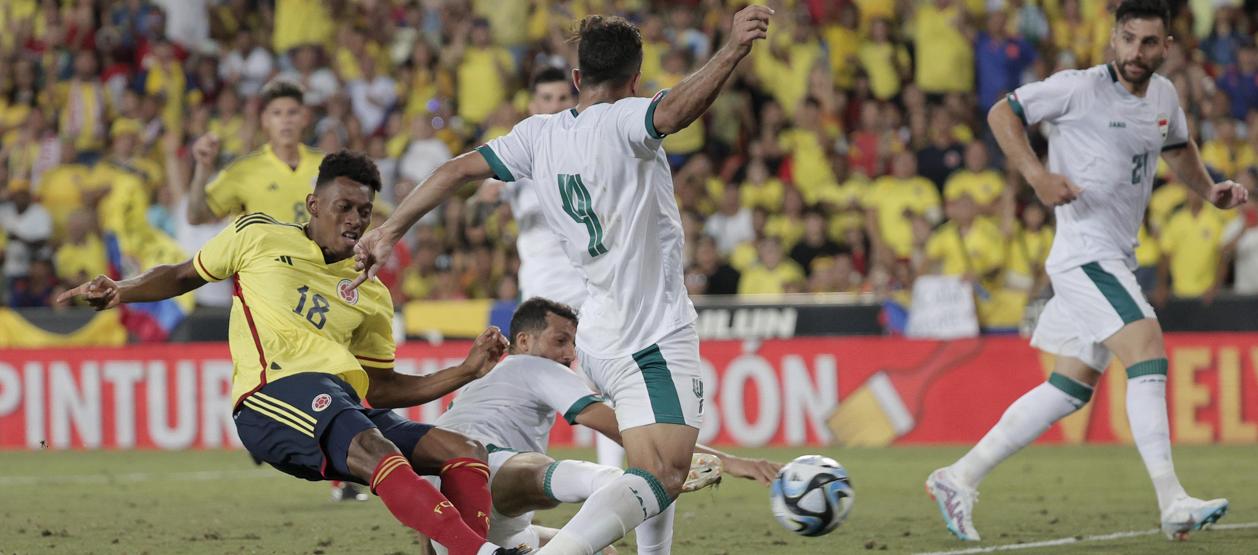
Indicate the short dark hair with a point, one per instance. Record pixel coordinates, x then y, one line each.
530 316
281 88
609 51
353 165
547 74
1143 9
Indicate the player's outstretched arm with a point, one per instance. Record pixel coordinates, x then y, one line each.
1052 189
204 153
1187 165
602 419
391 390
376 246
692 97
161 282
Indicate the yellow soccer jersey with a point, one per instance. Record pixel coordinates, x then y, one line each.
261 182
292 312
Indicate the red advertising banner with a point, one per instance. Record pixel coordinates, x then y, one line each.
848 391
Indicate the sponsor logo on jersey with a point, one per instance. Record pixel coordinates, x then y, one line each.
321 402
1164 125
347 293
1118 124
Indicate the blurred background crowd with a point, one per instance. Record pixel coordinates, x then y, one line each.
850 153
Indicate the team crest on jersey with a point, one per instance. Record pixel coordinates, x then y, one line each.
1164 125
321 402
347 293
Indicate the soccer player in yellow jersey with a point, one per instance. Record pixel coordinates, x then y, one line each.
274 179
307 349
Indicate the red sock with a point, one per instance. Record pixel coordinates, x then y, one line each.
466 482
415 503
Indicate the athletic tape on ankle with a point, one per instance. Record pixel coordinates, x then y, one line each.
1156 366
550 473
1070 387
657 488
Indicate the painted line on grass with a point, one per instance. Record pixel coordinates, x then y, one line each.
1077 539
195 476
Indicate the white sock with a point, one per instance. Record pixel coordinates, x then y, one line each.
1024 420
655 534
610 453
1146 414
576 481
609 514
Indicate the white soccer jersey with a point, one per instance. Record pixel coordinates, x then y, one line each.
606 191
545 270
1107 141
514 405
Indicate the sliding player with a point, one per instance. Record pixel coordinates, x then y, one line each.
1110 124
307 350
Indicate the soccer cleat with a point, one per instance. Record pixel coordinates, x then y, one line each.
522 549
346 491
1188 514
705 470
956 503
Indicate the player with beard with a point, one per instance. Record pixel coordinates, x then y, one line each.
1109 125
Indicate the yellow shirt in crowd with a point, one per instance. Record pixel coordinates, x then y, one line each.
261 182
759 280
79 263
984 187
890 197
481 88
945 57
1192 244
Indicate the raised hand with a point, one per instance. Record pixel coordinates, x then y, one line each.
370 254
205 150
1228 194
750 25
487 350
101 293
1055 189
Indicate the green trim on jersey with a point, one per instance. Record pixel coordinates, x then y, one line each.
1114 292
571 414
1071 387
1113 75
650 115
659 386
1016 106
1175 146
489 447
661 496
1157 366
500 170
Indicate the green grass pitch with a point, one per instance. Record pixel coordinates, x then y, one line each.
219 502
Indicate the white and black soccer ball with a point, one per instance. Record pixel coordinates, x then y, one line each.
812 495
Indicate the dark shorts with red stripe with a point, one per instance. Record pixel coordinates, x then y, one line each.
303 424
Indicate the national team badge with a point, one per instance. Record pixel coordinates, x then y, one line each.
321 402
347 293
1164 125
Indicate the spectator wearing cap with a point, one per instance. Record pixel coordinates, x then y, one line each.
27 226
120 185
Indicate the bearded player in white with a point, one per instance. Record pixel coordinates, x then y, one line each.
607 193
1109 124
545 270
512 410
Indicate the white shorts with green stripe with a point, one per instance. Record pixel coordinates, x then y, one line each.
661 384
1090 303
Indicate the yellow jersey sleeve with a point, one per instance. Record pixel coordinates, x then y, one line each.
222 194
372 343
224 255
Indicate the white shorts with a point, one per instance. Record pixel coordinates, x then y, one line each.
1090 303
661 384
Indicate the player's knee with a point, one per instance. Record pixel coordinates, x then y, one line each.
466 447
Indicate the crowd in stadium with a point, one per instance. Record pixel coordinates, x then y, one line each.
849 155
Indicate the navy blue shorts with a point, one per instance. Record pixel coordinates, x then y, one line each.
303 424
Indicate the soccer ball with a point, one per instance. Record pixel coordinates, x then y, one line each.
812 495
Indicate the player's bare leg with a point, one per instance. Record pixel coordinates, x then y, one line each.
413 501
954 488
1140 347
659 459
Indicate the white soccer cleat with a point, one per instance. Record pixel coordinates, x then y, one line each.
1188 514
956 503
705 470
